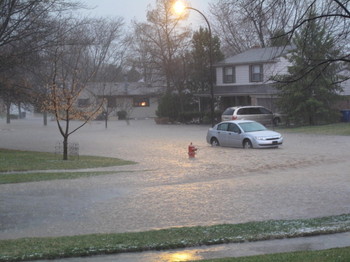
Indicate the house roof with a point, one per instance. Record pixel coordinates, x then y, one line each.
256 55
124 89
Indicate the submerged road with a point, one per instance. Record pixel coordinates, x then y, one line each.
306 177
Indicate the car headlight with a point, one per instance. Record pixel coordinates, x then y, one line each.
267 138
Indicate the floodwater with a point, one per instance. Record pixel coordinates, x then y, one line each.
306 177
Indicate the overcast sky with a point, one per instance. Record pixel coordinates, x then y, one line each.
136 9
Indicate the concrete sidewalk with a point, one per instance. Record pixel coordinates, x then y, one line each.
228 250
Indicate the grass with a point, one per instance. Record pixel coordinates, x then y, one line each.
15 160
22 166
87 245
342 129
330 255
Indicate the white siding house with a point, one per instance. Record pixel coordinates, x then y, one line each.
345 103
245 79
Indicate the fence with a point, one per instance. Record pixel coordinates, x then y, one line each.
73 149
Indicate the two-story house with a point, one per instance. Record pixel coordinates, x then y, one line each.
245 79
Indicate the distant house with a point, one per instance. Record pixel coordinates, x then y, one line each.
244 79
138 99
345 103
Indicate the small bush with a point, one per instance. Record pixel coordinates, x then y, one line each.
122 115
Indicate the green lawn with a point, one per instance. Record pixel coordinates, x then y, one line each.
15 160
22 166
87 245
342 129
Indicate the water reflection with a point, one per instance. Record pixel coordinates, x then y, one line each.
180 256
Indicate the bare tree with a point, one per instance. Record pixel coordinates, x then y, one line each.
15 87
160 40
13 91
333 14
243 24
81 49
23 23
25 28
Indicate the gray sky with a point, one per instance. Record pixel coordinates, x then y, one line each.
136 9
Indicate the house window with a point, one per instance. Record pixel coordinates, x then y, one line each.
229 75
141 102
83 102
256 73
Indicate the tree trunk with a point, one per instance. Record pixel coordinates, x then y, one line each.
19 111
65 148
106 118
45 118
8 115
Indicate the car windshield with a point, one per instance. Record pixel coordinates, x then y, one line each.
252 127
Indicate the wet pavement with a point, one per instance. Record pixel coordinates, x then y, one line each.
222 251
306 177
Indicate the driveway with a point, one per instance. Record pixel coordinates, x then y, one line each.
306 177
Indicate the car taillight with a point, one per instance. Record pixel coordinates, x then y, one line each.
234 117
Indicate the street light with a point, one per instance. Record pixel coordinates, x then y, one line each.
179 8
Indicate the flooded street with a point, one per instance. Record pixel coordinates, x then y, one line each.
309 176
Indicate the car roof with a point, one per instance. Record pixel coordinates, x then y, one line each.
235 107
238 121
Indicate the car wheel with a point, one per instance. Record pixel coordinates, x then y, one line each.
214 142
247 144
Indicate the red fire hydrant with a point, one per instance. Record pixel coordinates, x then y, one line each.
191 151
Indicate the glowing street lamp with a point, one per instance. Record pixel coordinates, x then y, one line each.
179 7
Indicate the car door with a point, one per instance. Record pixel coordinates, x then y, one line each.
254 114
234 136
222 134
266 116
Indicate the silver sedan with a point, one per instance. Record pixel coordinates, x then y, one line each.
243 133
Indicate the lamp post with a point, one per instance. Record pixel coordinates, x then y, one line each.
179 7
